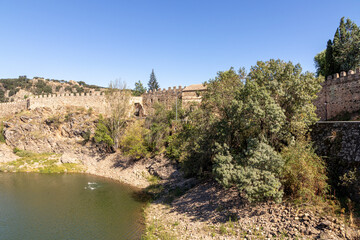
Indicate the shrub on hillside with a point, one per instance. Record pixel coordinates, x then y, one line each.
2 137
133 142
304 175
86 135
161 124
68 89
42 88
2 96
12 92
256 174
103 135
350 182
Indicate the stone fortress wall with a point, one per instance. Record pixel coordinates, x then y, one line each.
167 97
10 108
340 93
97 101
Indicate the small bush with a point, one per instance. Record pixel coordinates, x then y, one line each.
2 96
350 184
68 89
12 92
133 142
304 175
68 117
53 121
90 111
103 135
258 176
86 135
2 137
23 153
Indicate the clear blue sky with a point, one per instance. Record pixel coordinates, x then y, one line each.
185 41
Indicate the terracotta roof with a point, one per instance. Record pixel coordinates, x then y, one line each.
195 87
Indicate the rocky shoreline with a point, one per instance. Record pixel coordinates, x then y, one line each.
182 208
207 211
187 209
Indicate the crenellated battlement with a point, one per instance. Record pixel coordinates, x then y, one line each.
68 95
163 90
165 96
342 77
94 100
13 103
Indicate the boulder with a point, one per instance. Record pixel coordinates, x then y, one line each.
69 158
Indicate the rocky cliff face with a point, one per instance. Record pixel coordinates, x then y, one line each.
45 130
65 132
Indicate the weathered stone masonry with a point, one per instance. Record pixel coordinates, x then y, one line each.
94 100
166 97
143 105
345 135
340 93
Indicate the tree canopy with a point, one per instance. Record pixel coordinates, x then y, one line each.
139 89
342 53
250 120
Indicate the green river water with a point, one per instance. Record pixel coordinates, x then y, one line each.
67 206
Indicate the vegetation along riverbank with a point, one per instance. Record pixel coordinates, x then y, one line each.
238 162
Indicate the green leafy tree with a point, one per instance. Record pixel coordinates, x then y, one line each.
159 125
133 142
250 119
153 83
139 89
42 88
321 64
343 52
2 96
118 101
103 134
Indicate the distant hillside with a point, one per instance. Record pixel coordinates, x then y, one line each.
13 89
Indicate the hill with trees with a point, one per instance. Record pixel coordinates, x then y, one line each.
12 89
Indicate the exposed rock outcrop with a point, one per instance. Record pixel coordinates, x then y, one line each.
6 154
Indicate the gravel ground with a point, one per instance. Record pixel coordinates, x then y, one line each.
207 211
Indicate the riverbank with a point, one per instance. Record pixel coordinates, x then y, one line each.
207 211
188 209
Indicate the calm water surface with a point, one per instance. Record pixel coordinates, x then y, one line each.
68 206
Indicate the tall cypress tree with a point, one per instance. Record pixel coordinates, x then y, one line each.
153 83
329 65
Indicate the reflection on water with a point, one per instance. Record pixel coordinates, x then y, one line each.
67 206
92 185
